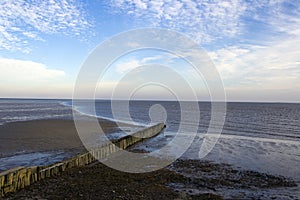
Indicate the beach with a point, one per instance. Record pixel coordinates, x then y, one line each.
149 99
183 179
247 162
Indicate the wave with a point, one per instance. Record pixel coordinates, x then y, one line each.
260 139
65 103
79 110
28 110
28 118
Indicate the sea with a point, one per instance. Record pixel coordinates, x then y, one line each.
263 137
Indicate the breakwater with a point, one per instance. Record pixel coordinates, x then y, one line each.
18 178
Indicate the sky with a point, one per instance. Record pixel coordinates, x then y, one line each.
254 45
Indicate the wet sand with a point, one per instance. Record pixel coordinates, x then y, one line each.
43 135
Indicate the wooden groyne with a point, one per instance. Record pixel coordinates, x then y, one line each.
18 178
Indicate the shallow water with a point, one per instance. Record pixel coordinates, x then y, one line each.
33 159
14 110
257 136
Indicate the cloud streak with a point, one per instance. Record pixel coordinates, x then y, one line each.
126 65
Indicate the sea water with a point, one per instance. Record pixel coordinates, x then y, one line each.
263 137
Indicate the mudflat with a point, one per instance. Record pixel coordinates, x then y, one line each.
43 135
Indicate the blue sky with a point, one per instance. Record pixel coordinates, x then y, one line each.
255 45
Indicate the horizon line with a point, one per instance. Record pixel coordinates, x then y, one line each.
171 100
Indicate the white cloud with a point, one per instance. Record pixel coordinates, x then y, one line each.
20 73
21 78
21 20
155 58
126 66
274 68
